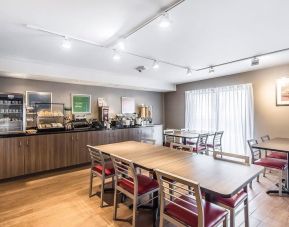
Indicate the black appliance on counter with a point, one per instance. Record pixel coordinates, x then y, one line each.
116 124
80 124
98 125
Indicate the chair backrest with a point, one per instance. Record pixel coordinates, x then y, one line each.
182 147
265 138
230 157
202 140
255 153
124 170
182 191
169 138
217 141
148 141
96 156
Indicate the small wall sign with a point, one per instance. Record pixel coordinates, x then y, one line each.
282 92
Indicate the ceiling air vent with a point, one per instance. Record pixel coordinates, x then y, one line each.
140 68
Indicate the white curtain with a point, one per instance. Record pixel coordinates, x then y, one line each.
228 109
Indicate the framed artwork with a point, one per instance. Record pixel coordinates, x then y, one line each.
282 92
81 104
127 105
33 97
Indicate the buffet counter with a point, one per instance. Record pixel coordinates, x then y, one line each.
24 154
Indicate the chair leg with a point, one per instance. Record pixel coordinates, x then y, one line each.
134 212
90 184
232 218
280 183
225 222
264 172
102 192
258 178
171 191
246 212
115 202
250 185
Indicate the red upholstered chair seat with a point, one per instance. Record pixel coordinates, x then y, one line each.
167 144
232 201
212 213
145 184
272 163
201 148
278 155
109 170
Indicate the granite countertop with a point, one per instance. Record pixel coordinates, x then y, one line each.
68 131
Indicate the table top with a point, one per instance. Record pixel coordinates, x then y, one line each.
215 176
276 144
188 134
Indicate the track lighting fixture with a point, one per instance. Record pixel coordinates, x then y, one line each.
115 55
255 61
66 44
189 72
165 21
156 65
211 70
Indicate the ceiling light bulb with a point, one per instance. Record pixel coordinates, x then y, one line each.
66 44
165 21
255 61
189 72
120 45
156 65
115 55
211 69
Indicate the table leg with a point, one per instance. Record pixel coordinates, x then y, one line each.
184 141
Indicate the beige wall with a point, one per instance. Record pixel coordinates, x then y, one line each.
269 118
61 92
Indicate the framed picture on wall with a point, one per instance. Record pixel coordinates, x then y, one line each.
81 104
33 97
282 92
127 105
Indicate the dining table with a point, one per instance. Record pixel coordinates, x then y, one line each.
279 145
216 177
185 135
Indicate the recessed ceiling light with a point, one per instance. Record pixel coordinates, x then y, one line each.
66 44
189 72
255 61
120 45
115 55
156 65
211 70
165 21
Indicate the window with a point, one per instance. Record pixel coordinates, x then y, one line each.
228 109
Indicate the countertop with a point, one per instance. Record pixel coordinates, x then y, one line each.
69 131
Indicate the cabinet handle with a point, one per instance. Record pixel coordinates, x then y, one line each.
27 143
72 138
77 137
20 143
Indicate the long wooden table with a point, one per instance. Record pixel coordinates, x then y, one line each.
184 135
280 145
215 176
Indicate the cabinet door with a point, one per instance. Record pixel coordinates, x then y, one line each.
11 157
37 155
82 140
57 150
71 152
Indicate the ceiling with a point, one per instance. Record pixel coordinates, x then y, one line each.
203 33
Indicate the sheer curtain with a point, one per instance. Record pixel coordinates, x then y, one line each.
228 109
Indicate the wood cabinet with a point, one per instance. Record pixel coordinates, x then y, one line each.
11 157
37 153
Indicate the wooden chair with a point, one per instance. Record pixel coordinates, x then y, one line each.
216 143
273 154
148 141
167 138
268 163
187 207
233 203
100 167
133 185
200 146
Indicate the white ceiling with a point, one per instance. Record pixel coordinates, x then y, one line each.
203 33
